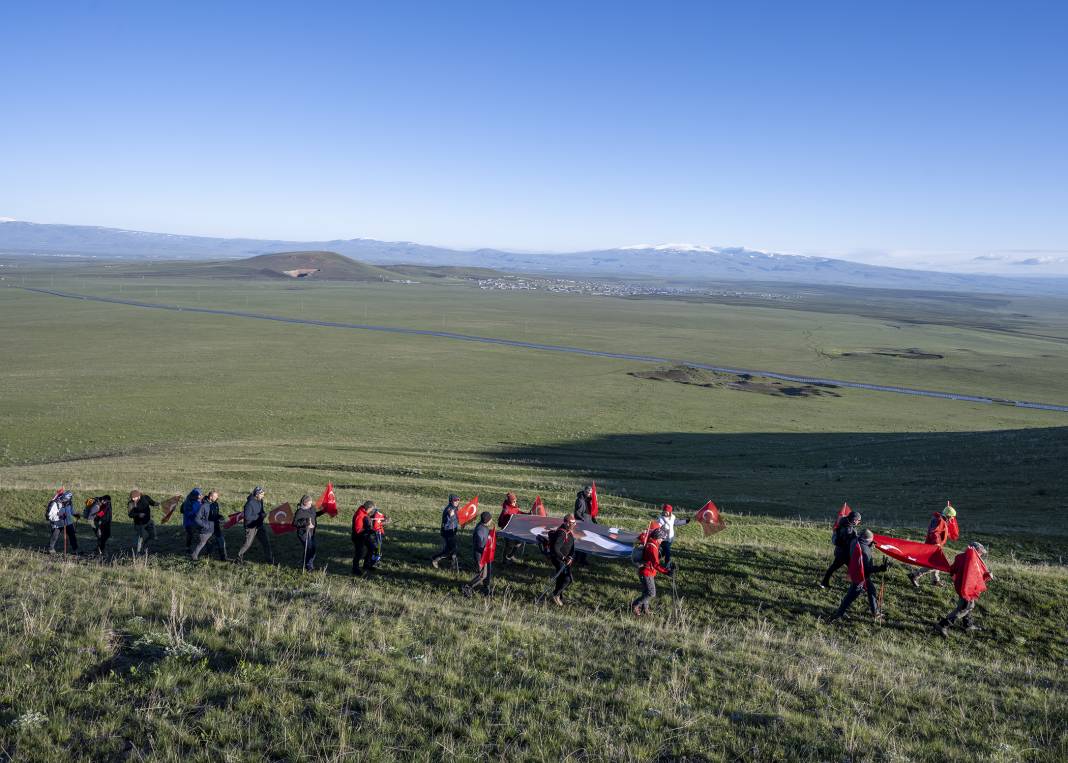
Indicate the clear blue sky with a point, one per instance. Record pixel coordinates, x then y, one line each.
794 126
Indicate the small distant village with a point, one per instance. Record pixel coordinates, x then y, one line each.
620 288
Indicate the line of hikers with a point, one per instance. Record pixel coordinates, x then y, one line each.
204 525
853 549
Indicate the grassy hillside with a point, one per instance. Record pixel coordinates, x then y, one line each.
169 660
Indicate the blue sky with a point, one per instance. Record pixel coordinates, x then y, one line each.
911 133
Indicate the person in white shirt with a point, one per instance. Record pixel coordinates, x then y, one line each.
668 520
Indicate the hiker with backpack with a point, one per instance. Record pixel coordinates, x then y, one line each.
970 576
650 567
205 527
862 571
668 520
941 529
509 509
842 537
483 548
190 510
377 521
139 509
361 540
304 520
252 515
450 525
98 510
561 547
60 517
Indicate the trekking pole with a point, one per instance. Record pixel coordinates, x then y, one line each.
307 537
552 584
675 594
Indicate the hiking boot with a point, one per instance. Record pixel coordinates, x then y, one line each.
822 584
558 601
942 628
938 583
914 580
971 626
466 591
833 618
434 563
878 618
636 610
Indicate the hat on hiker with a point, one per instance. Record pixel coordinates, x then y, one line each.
667 508
867 536
949 511
453 498
257 490
854 517
979 547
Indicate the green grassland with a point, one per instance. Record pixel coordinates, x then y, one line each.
128 659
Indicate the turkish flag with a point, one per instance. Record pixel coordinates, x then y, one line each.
970 574
538 509
467 511
328 500
169 506
490 549
280 518
912 552
844 511
594 509
709 519
233 519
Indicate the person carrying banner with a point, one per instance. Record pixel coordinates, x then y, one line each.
970 576
509 508
668 520
254 515
190 510
939 532
843 535
450 525
139 509
60 515
98 510
361 539
377 522
651 566
205 526
561 543
861 576
304 520
583 513
483 547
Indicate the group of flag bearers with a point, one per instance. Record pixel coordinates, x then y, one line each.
566 543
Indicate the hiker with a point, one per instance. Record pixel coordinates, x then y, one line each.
361 539
205 527
583 513
651 565
938 533
99 511
483 546
139 509
843 535
668 520
970 575
450 525
561 543
509 508
378 522
190 510
60 515
861 572
253 515
304 520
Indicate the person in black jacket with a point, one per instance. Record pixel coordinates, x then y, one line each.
98 510
484 576
304 521
862 571
253 515
205 525
561 554
139 509
584 513
845 532
450 525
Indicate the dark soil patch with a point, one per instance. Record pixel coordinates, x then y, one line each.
741 382
912 353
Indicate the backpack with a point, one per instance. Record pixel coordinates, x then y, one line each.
637 553
545 542
53 512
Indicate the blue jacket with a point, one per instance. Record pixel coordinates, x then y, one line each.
190 509
449 520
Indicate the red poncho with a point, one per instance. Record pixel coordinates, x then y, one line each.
970 574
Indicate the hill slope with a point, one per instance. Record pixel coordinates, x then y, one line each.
311 265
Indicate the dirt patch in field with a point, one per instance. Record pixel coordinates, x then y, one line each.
911 353
741 382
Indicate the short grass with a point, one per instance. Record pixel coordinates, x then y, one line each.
166 660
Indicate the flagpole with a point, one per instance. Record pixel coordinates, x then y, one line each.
307 536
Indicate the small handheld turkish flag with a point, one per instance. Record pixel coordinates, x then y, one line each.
169 506
709 519
233 519
281 519
328 501
489 550
594 508
538 509
845 510
467 511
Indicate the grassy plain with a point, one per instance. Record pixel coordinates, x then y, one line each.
166 660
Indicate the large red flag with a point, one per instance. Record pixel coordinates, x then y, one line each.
709 519
594 509
233 519
281 519
489 549
954 529
467 511
538 509
912 552
169 506
328 500
969 574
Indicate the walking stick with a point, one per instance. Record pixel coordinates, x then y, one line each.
307 537
552 584
675 593
882 587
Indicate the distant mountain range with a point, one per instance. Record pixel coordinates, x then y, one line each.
676 263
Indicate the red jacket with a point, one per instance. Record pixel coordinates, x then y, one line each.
970 574
507 511
651 559
938 530
378 522
359 521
